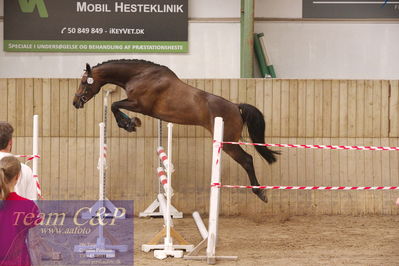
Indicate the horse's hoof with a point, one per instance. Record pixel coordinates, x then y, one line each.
127 125
136 121
132 124
261 193
130 127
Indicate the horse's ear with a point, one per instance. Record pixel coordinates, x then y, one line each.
88 69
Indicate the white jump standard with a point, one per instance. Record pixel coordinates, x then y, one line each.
168 233
103 208
211 237
35 150
34 157
154 209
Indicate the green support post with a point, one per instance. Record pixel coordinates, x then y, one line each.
247 41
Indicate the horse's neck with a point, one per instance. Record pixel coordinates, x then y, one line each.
116 75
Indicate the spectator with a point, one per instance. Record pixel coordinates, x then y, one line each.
17 216
26 186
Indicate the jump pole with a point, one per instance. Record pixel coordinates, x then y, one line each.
168 233
200 225
100 248
155 209
211 240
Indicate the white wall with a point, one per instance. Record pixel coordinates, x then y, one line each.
299 49
340 50
278 8
314 49
214 8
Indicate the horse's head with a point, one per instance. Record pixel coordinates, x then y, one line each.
88 87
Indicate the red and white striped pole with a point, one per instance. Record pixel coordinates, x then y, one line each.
310 146
306 187
164 158
163 179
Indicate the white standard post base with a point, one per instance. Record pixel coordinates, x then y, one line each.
210 259
86 248
100 253
181 245
164 253
148 247
160 250
93 251
100 248
154 210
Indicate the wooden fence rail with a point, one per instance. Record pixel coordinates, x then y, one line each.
340 112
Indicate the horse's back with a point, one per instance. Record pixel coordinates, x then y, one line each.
182 103
207 106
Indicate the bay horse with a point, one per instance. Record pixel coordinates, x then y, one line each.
156 91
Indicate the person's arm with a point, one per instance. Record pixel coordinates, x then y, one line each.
30 190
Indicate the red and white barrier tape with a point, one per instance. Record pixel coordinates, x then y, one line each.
305 188
36 177
219 146
38 188
30 157
309 146
104 161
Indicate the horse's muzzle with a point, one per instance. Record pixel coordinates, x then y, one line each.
78 103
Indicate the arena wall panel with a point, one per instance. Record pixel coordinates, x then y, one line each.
339 112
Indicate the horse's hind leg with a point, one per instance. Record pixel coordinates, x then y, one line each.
246 161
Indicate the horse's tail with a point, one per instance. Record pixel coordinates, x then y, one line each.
256 128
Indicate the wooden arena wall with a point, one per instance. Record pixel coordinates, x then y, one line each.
347 112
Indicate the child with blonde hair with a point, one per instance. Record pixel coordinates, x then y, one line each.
17 216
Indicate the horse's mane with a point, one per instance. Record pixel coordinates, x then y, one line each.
128 61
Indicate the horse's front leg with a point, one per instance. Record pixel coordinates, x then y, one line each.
123 120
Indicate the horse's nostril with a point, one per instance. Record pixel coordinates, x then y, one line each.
76 104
